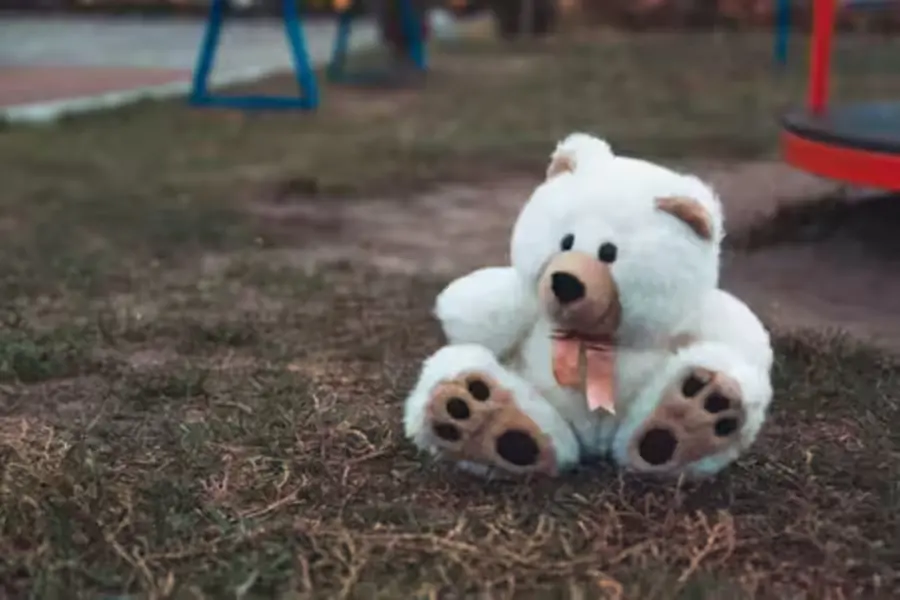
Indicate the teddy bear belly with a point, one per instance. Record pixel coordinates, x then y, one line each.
534 363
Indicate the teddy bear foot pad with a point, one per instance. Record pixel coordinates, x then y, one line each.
699 415
472 419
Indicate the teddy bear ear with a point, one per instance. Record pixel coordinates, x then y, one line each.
560 163
690 212
577 150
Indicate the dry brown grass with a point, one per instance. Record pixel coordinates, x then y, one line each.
260 450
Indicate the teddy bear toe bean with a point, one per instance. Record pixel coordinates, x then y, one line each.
699 415
472 418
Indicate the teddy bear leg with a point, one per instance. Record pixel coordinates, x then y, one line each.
702 411
468 408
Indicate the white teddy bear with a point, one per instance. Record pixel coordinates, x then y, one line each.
608 335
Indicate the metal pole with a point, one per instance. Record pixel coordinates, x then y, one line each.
820 54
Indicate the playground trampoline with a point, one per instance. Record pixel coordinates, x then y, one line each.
858 144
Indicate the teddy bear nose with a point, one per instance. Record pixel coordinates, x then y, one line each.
567 288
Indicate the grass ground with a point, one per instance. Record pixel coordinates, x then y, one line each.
189 410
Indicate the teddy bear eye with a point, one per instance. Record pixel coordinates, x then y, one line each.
567 242
607 252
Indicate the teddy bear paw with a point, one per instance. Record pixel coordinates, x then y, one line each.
700 415
475 421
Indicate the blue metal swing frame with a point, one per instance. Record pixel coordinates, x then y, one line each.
782 30
412 30
308 93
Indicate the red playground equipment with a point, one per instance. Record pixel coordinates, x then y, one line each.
858 144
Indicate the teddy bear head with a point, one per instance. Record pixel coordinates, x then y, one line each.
617 246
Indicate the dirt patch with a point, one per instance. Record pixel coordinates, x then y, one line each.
823 287
828 264
447 230
833 283
457 227
754 191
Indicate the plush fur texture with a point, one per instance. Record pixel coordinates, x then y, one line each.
638 245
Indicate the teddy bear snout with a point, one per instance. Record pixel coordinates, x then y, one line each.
578 292
566 287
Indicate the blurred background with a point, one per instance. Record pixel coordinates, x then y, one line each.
631 14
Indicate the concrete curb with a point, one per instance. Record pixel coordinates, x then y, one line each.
48 112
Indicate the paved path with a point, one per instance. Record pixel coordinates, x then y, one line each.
50 65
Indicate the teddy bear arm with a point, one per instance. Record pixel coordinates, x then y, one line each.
491 307
726 319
